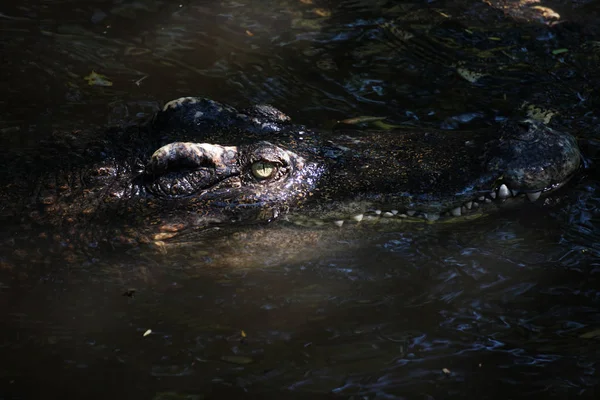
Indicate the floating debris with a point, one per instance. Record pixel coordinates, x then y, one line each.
468 75
95 79
595 334
360 120
149 331
176 396
240 360
136 51
171 227
386 126
139 81
164 235
538 113
321 12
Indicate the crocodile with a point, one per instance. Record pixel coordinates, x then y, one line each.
199 163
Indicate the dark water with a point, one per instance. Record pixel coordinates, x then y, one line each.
506 306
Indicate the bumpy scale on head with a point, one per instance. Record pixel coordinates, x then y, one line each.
533 157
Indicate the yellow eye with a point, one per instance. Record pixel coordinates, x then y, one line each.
262 169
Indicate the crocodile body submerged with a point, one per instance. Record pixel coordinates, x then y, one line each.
200 162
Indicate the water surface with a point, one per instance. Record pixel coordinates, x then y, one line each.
505 306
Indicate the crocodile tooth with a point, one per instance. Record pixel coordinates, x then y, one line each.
377 212
358 217
469 204
388 214
475 204
488 200
503 192
394 212
533 196
402 215
456 212
463 209
338 223
410 213
492 195
481 198
514 192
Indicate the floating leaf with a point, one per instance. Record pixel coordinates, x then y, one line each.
360 120
591 335
385 126
95 79
241 360
243 334
164 235
468 75
176 396
321 12
559 51
149 331
537 113
136 51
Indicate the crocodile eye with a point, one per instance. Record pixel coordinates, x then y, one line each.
263 170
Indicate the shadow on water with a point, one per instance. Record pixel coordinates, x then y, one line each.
502 306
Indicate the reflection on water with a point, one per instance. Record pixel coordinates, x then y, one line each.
503 306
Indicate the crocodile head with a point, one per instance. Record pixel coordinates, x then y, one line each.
282 167
201 163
